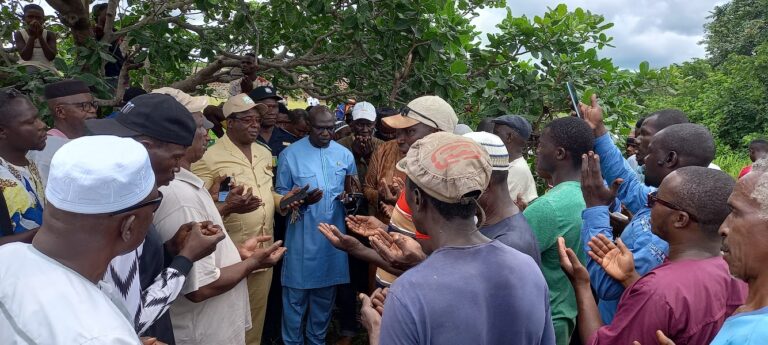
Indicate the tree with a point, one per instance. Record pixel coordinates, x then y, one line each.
737 27
387 52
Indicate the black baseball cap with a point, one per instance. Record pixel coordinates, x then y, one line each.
264 92
155 115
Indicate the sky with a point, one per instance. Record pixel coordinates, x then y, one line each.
661 32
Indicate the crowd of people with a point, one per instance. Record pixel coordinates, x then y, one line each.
174 221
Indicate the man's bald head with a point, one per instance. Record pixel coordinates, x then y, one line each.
678 146
704 192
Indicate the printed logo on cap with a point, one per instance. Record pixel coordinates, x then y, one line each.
247 100
127 107
451 154
268 90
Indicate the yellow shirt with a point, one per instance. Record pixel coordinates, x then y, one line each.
224 158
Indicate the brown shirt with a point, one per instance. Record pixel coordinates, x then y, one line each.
361 162
382 166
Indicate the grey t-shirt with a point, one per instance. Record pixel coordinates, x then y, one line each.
482 294
516 233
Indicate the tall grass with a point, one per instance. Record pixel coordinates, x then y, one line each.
731 161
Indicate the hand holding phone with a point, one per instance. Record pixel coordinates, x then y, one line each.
574 99
224 187
299 196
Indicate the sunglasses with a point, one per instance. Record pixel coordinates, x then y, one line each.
653 199
156 202
85 106
405 111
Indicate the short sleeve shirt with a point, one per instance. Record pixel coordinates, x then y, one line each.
24 195
516 233
467 301
219 320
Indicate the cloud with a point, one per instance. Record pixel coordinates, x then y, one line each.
660 32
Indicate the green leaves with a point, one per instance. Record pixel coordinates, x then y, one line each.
459 67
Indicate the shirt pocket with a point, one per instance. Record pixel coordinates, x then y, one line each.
303 180
338 182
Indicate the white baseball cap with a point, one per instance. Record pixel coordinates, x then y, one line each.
99 174
365 111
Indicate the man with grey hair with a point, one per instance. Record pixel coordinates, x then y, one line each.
514 131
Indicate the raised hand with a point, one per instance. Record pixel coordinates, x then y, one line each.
400 251
247 248
294 205
571 265
369 317
365 226
314 196
388 194
386 209
266 257
593 115
378 298
215 187
338 240
615 259
201 240
246 84
592 188
241 203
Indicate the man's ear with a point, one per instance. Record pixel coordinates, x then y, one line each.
671 160
682 219
561 154
57 111
127 230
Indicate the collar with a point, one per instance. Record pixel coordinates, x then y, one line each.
57 133
188 177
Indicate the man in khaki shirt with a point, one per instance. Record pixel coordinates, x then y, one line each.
249 163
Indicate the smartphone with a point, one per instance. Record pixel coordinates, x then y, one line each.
574 98
301 195
224 188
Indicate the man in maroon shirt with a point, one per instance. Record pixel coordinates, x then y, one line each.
689 296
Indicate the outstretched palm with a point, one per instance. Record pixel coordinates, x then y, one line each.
365 226
615 258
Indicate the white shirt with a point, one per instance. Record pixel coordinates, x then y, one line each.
222 319
45 302
520 180
43 158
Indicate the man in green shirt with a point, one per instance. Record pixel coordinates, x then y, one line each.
558 212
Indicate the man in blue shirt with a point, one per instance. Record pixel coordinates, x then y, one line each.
312 267
648 249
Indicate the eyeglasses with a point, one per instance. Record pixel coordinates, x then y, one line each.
156 202
248 119
405 111
85 106
653 199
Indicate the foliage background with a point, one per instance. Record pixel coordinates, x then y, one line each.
389 52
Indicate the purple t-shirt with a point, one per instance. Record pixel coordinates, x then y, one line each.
688 300
515 232
483 294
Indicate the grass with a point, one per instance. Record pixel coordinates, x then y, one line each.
731 161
